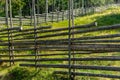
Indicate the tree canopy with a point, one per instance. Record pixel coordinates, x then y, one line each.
53 5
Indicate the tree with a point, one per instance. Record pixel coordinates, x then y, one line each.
53 5
16 5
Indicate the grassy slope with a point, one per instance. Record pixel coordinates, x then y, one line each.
108 17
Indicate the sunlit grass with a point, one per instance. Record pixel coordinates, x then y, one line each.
108 17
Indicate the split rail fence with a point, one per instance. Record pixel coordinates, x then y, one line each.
55 47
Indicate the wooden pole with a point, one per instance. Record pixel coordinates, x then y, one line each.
35 34
20 18
11 52
38 10
69 40
6 6
46 10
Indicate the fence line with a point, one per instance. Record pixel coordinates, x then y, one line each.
66 45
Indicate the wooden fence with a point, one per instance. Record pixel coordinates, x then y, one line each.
54 43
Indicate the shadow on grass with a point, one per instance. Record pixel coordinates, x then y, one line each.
110 19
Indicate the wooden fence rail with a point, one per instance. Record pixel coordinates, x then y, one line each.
39 39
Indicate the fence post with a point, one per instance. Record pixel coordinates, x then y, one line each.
57 16
69 38
35 34
63 15
46 10
38 12
20 18
7 23
52 16
31 17
6 8
11 47
72 36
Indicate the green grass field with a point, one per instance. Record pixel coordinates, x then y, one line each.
108 17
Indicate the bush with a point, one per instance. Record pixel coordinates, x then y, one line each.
19 74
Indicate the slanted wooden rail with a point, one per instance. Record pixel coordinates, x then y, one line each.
67 49
84 45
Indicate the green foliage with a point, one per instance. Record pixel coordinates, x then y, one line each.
108 17
100 2
20 74
16 5
53 5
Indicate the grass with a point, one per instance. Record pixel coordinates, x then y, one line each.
108 17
